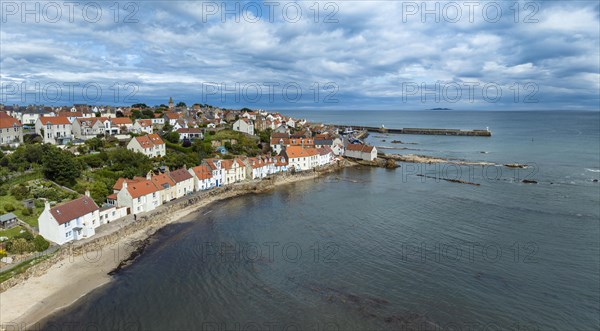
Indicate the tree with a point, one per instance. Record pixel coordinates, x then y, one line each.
61 166
139 105
8 207
147 113
167 127
181 104
20 192
172 137
99 191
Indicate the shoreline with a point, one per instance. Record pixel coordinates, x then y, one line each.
72 276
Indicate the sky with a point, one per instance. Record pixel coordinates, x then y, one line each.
404 55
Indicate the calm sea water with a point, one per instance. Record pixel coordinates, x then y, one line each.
376 249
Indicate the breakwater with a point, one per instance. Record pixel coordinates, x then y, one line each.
429 131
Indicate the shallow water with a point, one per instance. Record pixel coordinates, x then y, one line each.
373 249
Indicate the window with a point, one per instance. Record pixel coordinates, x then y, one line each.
139 199
68 234
67 224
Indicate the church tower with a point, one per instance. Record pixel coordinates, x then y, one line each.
171 105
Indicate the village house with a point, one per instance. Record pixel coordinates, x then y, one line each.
259 167
362 152
190 133
281 163
278 143
74 220
184 182
165 184
124 124
110 213
143 126
217 170
171 118
54 130
203 179
30 117
326 156
233 171
87 128
11 131
158 120
244 125
150 145
139 196
301 159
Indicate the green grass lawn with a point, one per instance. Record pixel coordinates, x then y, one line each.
11 232
29 219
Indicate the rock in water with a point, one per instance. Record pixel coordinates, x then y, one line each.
390 164
529 181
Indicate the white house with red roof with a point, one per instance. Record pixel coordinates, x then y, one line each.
140 195
143 126
218 173
301 159
150 145
234 171
87 128
189 133
203 178
56 130
11 130
74 220
362 152
184 182
244 125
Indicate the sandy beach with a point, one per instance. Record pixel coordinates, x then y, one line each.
25 304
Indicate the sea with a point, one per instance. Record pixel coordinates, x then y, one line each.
378 249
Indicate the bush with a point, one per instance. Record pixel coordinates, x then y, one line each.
26 212
8 207
40 243
20 192
25 235
2 253
20 246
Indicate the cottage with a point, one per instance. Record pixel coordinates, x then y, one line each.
244 125
150 145
301 159
234 171
362 152
189 133
165 184
184 182
73 220
143 127
139 196
11 130
203 179
87 128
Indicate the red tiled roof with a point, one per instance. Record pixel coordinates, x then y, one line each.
121 121
144 122
8 121
155 138
360 148
189 130
73 209
180 175
141 188
163 181
202 172
297 151
56 120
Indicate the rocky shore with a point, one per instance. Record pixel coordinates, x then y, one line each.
78 268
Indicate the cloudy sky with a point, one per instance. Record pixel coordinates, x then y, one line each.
304 54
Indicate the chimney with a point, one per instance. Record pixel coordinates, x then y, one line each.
124 183
149 175
87 193
46 205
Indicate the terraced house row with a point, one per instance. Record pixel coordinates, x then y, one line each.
79 218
